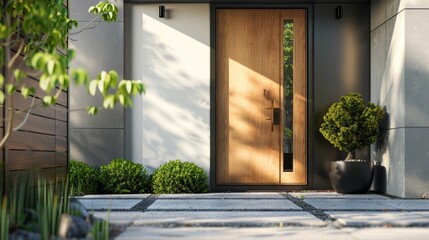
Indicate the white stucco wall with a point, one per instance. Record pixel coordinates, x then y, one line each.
172 57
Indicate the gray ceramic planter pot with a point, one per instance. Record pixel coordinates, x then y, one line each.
351 177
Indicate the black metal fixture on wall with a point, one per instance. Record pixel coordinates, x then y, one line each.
161 11
339 12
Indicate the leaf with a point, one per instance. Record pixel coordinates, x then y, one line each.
25 92
1 97
10 88
129 86
37 60
1 79
44 83
92 110
121 99
49 100
80 76
101 87
109 101
71 53
19 74
93 87
113 78
51 66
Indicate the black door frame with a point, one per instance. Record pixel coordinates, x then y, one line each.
310 97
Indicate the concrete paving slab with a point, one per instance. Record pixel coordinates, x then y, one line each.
230 218
409 204
290 233
106 204
222 204
253 195
119 217
388 233
361 219
115 196
424 214
334 195
350 204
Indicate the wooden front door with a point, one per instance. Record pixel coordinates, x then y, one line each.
261 97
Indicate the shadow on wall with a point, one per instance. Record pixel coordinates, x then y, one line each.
100 150
172 120
387 90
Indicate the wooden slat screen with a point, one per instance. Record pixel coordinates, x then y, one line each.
42 143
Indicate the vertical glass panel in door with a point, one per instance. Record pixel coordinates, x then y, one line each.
288 96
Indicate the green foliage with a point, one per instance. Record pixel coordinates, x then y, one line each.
46 200
100 229
83 179
124 176
179 177
37 30
350 125
288 84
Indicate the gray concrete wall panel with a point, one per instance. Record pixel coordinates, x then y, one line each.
78 9
389 152
96 146
95 139
387 71
416 162
383 10
417 68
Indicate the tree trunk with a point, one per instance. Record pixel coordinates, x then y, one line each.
350 156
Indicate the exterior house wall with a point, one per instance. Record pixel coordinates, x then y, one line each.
399 83
42 141
341 65
96 139
172 57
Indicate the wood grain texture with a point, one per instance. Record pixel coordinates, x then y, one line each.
22 160
60 144
31 141
61 113
35 124
249 70
35 145
24 104
247 66
61 128
60 159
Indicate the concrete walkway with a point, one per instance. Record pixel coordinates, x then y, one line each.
298 215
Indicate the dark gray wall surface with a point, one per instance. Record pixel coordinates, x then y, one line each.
341 65
247 1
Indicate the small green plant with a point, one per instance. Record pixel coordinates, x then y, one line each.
83 179
36 196
350 125
179 177
100 229
124 176
4 219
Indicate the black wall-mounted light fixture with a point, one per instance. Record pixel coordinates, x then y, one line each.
161 11
339 12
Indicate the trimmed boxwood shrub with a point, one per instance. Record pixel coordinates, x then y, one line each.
83 179
179 177
124 176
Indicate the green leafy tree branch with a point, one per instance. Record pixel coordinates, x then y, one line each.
33 35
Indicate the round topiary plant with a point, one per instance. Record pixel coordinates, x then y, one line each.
350 125
83 179
179 177
124 176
